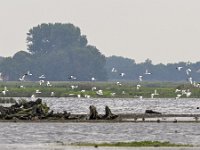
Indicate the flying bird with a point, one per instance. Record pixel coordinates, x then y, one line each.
114 70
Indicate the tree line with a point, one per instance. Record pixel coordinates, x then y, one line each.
60 50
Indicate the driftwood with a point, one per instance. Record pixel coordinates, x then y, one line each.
37 110
151 112
94 114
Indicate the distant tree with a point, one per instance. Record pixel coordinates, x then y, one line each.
50 37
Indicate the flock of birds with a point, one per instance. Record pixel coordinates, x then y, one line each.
179 92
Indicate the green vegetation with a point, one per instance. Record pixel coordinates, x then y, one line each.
136 144
110 89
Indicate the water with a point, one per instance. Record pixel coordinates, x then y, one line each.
47 133
127 105
30 133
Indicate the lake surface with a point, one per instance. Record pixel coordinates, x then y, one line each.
126 105
47 133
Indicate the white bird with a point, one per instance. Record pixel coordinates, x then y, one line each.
177 90
190 80
179 68
78 95
93 79
188 94
147 72
72 77
118 83
48 83
22 78
112 94
140 78
42 76
74 87
1 78
28 73
52 93
38 92
82 91
33 97
155 92
178 96
41 81
138 86
123 92
87 96
99 92
152 95
188 71
94 88
114 70
122 74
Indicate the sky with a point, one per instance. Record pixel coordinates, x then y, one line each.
165 31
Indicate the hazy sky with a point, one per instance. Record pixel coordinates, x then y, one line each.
161 30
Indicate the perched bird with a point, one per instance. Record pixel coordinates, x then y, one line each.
52 93
99 92
48 83
112 94
177 90
74 87
94 88
155 92
178 96
38 92
138 86
41 81
190 80
118 83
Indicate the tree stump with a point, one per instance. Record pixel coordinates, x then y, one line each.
93 113
109 114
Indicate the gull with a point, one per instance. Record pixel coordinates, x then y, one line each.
190 80
99 92
41 81
22 78
122 74
188 94
94 88
114 70
188 71
118 83
140 78
48 83
52 93
28 73
72 77
93 79
1 78
74 87
78 95
155 92
112 94
33 97
177 90
178 96
38 92
87 96
4 91
82 91
138 86
42 76
179 68
147 72
152 95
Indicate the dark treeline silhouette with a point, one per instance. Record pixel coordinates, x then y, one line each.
59 51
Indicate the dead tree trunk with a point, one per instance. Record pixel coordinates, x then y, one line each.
109 114
93 113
